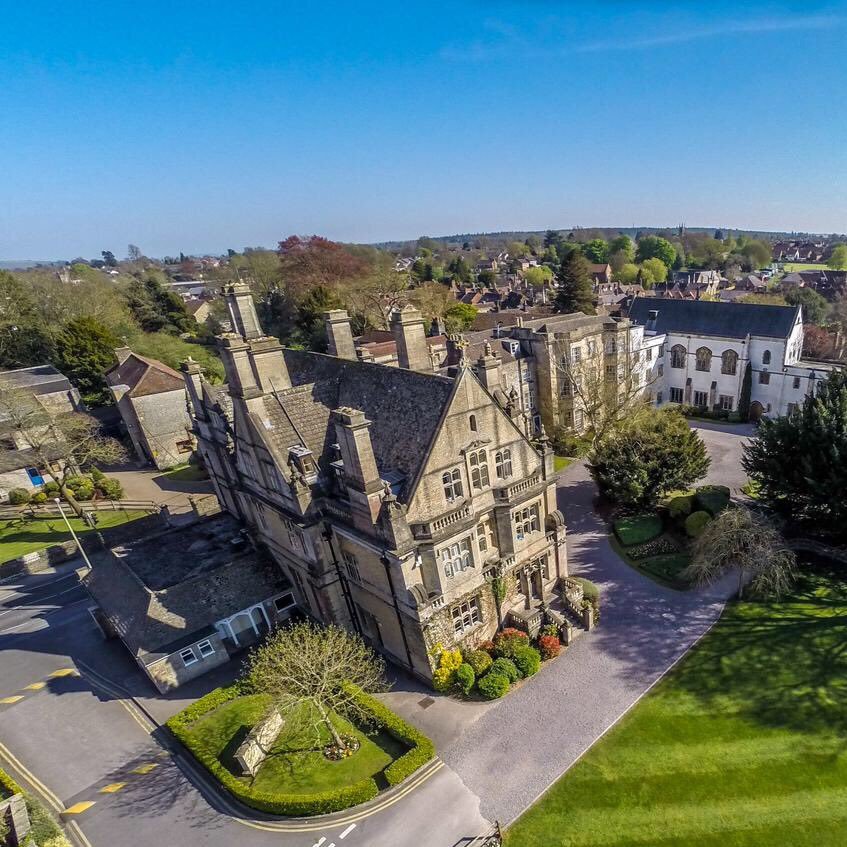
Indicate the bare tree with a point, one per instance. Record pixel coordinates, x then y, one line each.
374 295
737 538
133 252
60 444
306 670
607 385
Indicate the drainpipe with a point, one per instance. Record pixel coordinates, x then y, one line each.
345 588
384 560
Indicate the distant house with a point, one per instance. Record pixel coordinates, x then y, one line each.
183 601
601 273
829 284
18 466
151 400
752 282
200 310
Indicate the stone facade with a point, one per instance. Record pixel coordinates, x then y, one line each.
390 497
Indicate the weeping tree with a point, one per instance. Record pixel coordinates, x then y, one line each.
737 538
306 670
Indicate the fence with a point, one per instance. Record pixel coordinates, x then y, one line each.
50 509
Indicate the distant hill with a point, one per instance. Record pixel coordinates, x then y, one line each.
23 264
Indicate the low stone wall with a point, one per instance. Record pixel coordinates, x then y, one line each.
39 560
255 748
14 813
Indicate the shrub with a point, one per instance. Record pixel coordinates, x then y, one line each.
75 482
84 492
565 443
657 547
680 507
550 629
493 685
19 497
637 529
465 678
51 489
488 647
97 475
696 522
508 640
111 488
444 676
38 498
549 646
505 667
479 660
712 498
527 660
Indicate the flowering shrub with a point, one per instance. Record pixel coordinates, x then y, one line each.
508 640
549 646
505 667
449 661
493 685
488 647
527 660
656 547
465 678
479 660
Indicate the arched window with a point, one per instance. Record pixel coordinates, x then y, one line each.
503 463
729 362
479 469
766 357
704 359
677 356
473 423
452 482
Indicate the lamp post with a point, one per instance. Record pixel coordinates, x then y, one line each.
73 534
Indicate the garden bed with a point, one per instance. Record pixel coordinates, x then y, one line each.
297 778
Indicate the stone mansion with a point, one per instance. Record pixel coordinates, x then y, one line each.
390 497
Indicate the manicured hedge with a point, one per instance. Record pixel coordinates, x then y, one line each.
8 786
696 522
505 667
527 660
681 506
637 529
712 498
493 685
422 750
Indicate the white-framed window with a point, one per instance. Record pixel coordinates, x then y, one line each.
466 616
284 601
527 521
452 482
479 469
456 557
206 649
725 401
576 353
578 419
676 395
503 463
188 656
701 398
351 565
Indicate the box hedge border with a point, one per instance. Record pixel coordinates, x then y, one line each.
320 803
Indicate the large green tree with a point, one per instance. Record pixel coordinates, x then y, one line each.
838 258
576 288
654 247
647 456
85 350
596 250
815 307
800 461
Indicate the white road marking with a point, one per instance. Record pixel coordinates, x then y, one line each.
347 831
39 602
318 843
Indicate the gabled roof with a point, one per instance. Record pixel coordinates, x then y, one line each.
144 376
707 317
39 379
404 407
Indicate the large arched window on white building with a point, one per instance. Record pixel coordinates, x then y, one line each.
729 362
678 356
704 359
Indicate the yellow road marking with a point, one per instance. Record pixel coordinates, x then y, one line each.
6 701
142 769
64 672
111 789
78 808
32 778
35 686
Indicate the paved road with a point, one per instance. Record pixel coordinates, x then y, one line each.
80 738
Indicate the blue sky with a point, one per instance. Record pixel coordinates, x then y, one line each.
202 126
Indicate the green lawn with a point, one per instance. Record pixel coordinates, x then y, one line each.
187 473
664 568
637 529
743 745
791 267
293 766
561 462
26 535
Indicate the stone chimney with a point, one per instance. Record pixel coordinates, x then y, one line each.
240 376
456 346
193 377
242 311
407 327
269 365
339 335
122 354
361 476
488 369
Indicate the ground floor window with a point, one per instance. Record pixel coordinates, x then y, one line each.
659 398
286 601
206 649
701 398
188 656
466 616
676 395
725 402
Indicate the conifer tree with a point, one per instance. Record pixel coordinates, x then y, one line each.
575 292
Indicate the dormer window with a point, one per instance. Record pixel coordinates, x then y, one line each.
303 459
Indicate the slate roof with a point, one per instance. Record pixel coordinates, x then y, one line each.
405 409
40 379
144 376
707 317
168 589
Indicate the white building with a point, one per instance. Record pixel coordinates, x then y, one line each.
702 349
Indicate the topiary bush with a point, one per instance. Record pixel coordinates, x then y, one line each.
465 678
680 507
712 498
508 640
19 497
38 498
527 660
696 522
493 685
110 488
637 529
549 646
51 489
505 667
479 660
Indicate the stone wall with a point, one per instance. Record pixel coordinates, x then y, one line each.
255 748
170 671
